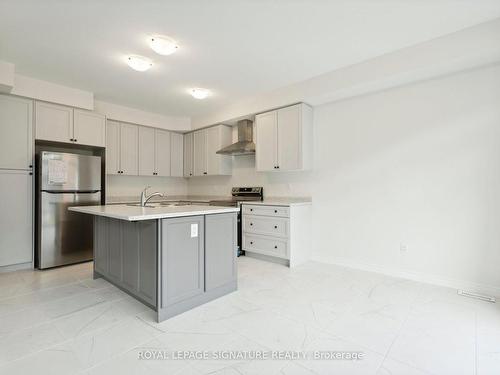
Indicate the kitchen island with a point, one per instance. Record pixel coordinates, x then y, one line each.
170 257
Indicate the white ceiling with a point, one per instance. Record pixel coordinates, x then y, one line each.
236 48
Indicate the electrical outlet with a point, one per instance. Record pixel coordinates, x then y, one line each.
194 230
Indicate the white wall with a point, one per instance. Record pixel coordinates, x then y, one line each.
418 165
469 48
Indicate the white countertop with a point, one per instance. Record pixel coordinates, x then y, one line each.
131 213
283 201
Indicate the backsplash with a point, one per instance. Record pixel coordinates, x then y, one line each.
119 186
283 184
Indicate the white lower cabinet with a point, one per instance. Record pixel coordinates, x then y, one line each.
16 217
278 232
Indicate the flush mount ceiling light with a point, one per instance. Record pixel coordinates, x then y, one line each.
163 45
139 63
199 93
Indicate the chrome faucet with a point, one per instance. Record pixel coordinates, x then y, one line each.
145 197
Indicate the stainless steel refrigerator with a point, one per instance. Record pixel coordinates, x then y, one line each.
65 180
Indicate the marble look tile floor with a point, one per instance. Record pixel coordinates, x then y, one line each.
61 321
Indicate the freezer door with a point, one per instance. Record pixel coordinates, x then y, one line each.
65 237
69 172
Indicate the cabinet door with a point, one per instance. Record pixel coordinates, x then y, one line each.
162 149
188 155
89 128
53 122
177 155
147 261
129 150
112 147
220 250
182 260
16 218
266 141
115 250
289 139
101 254
130 255
213 145
146 151
15 132
200 153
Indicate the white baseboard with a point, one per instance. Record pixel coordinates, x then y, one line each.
16 267
414 276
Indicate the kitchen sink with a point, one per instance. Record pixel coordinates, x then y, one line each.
139 205
160 204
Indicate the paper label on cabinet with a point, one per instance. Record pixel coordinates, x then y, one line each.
58 173
194 230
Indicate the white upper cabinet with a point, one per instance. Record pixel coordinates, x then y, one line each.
200 152
16 133
162 152
188 155
266 129
206 142
129 150
218 137
89 128
177 154
112 147
59 123
146 151
122 148
53 122
284 139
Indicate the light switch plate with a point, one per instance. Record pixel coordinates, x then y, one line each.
194 230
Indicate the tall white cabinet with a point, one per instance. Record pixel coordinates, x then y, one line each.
16 181
284 139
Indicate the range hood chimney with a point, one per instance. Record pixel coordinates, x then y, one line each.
245 145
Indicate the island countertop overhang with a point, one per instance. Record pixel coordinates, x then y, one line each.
134 213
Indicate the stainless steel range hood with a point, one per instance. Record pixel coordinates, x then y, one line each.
245 145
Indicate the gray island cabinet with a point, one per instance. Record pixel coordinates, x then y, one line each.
171 262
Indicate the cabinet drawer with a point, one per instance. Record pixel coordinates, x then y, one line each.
273 226
278 211
276 247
